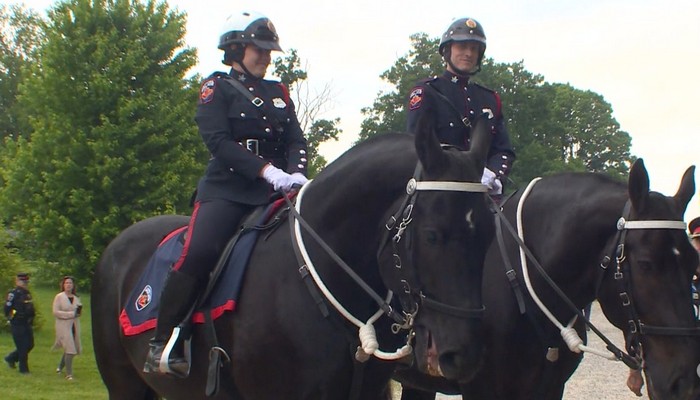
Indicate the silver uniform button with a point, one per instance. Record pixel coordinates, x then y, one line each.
243 115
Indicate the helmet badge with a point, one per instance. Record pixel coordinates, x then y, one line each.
471 23
271 27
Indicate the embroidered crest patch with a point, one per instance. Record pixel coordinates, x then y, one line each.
144 298
415 98
206 92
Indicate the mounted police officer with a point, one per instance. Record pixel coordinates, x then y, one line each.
257 146
456 101
19 310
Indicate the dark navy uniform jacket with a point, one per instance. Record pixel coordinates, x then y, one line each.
19 306
471 100
230 124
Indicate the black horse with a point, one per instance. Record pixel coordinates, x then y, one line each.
280 344
569 222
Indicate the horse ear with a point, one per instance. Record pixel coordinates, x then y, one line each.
638 186
428 148
481 141
686 190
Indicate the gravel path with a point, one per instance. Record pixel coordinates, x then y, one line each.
596 378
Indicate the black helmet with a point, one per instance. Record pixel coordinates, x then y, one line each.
249 27
463 30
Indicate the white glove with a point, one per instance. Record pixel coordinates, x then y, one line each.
279 179
299 179
494 184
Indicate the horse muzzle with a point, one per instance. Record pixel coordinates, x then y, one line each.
454 363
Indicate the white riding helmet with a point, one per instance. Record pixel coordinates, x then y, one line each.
249 27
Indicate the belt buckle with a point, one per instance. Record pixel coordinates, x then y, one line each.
253 146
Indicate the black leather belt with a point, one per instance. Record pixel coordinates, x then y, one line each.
264 149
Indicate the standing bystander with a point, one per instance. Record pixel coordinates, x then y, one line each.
67 308
19 310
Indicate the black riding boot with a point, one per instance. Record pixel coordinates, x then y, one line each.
178 295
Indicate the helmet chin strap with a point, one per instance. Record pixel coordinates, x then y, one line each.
238 56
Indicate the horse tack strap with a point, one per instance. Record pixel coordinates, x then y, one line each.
650 224
451 310
510 271
668 331
451 186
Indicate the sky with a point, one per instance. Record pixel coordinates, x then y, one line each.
642 56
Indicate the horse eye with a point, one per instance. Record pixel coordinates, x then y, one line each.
646 265
431 237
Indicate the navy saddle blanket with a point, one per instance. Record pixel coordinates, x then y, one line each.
141 309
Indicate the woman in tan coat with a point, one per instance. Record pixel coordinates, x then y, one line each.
67 308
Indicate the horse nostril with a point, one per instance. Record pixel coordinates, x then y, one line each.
458 366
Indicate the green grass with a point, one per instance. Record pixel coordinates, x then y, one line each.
43 383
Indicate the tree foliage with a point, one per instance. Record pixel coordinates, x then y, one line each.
113 140
310 106
21 33
553 127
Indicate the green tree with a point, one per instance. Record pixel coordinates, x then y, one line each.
553 127
309 107
113 139
20 36
388 112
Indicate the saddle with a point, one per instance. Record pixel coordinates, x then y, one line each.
141 309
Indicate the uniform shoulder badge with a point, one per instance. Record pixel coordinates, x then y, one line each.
415 98
206 91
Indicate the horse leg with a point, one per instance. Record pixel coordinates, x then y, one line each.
415 394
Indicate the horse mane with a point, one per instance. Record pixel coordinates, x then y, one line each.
385 161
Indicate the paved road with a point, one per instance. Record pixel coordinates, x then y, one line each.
596 378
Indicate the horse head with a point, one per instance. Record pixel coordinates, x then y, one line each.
451 230
648 294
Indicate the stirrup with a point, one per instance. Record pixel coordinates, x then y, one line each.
164 365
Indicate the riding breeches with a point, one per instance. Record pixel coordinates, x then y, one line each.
212 224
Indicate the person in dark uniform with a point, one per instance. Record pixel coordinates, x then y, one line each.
456 101
19 310
250 127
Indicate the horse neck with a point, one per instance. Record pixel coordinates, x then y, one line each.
349 202
361 185
571 222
